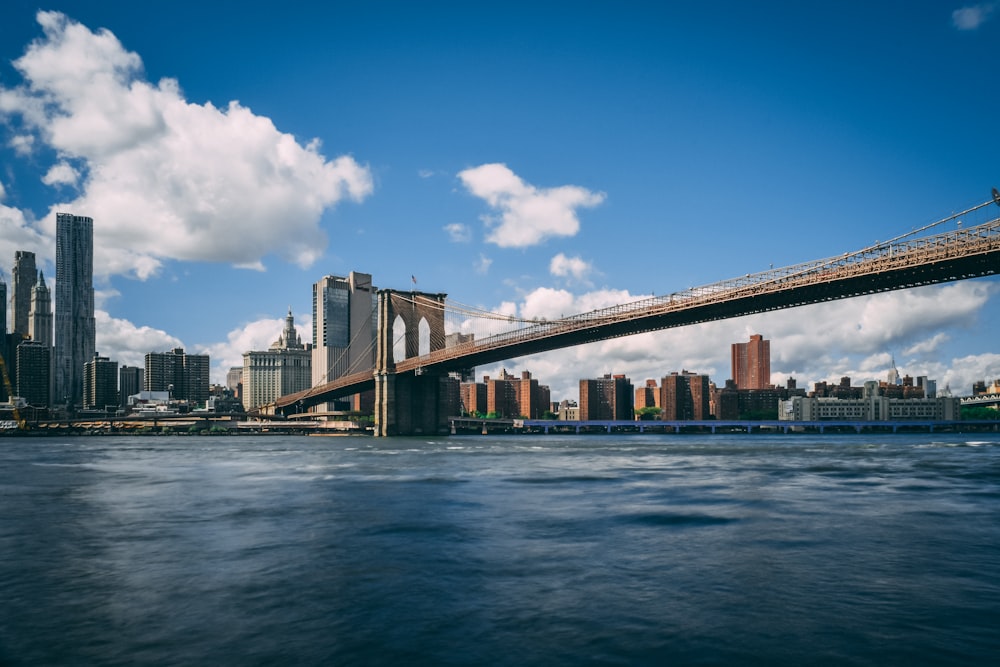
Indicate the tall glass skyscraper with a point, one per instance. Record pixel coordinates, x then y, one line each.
75 331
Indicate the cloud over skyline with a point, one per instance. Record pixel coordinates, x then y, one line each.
525 215
209 184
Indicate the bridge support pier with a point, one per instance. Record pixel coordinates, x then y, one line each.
408 404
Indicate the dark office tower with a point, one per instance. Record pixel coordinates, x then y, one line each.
23 278
100 383
40 320
345 322
129 383
34 362
75 335
752 363
3 308
184 376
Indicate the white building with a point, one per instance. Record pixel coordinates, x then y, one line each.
870 408
283 369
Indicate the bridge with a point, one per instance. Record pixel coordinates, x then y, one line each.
409 392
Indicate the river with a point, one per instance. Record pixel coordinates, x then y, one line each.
500 550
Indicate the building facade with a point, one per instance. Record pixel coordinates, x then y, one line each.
609 397
40 314
34 373
752 363
100 383
183 376
284 368
23 278
75 330
344 327
871 407
685 396
130 383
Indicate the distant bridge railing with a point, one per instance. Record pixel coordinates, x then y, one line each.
884 258
896 264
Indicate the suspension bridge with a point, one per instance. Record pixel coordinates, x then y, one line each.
422 336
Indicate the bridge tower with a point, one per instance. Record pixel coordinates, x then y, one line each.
408 404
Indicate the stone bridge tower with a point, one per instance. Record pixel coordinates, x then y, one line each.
411 403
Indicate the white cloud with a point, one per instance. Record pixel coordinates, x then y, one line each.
570 267
525 215
17 233
128 344
61 174
458 233
482 265
212 184
970 18
21 143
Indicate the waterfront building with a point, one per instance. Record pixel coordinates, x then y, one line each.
345 313
100 383
506 396
23 279
183 376
34 373
130 383
871 407
685 396
75 330
608 397
40 313
752 363
284 368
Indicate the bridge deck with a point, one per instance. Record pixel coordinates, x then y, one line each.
954 255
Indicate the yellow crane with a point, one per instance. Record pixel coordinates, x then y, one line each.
10 394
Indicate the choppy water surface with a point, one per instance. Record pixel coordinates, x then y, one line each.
549 550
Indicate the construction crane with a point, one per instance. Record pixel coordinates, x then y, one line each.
10 395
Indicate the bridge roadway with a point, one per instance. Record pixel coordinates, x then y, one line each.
960 254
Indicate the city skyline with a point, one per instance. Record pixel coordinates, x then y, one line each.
538 164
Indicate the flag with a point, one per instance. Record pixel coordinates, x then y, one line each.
413 278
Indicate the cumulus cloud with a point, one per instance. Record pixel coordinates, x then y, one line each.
18 233
458 233
128 344
61 174
970 18
570 267
525 215
856 337
212 184
482 265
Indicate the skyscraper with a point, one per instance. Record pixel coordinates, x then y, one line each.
344 327
3 307
23 279
75 331
100 383
752 363
40 320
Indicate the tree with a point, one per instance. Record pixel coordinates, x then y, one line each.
649 413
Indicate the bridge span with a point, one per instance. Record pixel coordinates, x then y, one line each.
407 390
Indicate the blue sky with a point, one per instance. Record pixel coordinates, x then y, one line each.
536 158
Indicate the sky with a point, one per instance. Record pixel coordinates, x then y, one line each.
539 159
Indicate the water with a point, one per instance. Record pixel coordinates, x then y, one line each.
548 550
